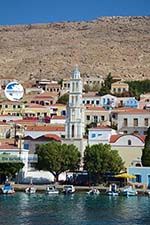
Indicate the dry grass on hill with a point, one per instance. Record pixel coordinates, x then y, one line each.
117 45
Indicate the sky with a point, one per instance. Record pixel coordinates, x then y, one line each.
45 11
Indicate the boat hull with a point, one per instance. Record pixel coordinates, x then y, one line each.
7 189
30 191
129 193
52 192
111 193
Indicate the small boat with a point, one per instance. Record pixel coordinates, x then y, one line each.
68 189
112 190
129 191
7 189
30 190
51 190
93 191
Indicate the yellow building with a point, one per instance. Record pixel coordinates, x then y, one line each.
36 110
96 114
119 87
58 110
11 108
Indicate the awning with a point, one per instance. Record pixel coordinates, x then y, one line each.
125 176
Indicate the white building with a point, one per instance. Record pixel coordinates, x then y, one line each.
108 101
91 98
100 134
96 114
11 153
133 121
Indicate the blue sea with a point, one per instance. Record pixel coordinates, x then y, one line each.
77 209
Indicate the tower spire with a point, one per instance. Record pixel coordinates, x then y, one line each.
76 72
75 110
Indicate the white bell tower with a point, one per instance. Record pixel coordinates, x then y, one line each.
75 109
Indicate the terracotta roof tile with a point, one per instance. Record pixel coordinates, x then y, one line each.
58 117
90 94
58 104
45 97
91 107
33 106
44 137
141 137
11 102
115 137
4 123
46 94
53 136
45 128
130 110
100 127
7 144
26 121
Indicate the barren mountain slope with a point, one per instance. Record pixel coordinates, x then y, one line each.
120 45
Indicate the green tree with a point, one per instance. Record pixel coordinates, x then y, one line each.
63 99
104 90
100 159
138 87
106 86
10 169
108 81
146 151
60 82
57 158
88 126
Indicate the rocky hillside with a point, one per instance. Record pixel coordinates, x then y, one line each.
120 45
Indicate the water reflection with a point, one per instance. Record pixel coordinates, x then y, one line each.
82 209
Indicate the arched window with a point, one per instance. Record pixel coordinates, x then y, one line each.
129 142
77 86
138 165
73 86
72 130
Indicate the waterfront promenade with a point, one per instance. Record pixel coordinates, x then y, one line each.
101 188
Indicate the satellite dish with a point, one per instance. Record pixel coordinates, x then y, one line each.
14 91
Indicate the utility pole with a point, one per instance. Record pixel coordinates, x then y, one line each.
15 132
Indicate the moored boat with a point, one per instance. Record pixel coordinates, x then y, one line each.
51 190
7 188
30 190
93 191
112 190
68 189
129 191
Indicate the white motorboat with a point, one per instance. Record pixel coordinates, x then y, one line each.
112 193
30 190
129 191
51 190
93 191
68 189
7 188
112 190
